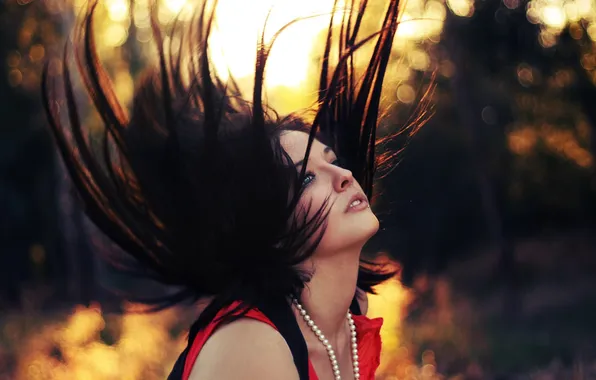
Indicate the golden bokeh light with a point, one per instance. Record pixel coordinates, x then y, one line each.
592 31
118 10
462 8
511 4
406 94
143 346
565 143
238 26
36 52
389 304
115 35
15 77
141 15
523 140
525 74
420 20
14 58
73 349
447 68
402 72
555 15
175 6
419 59
547 38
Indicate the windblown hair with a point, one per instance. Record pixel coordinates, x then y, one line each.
195 185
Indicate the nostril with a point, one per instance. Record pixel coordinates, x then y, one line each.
345 183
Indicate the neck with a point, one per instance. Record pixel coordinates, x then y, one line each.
330 292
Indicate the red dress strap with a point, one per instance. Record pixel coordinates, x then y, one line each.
202 336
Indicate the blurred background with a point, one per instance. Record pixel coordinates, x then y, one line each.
490 209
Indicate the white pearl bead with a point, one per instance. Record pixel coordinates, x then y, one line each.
332 358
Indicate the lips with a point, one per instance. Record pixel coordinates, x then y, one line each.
357 202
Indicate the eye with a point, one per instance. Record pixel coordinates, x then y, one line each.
309 177
338 162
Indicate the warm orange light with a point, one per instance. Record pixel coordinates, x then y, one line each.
389 302
462 8
239 24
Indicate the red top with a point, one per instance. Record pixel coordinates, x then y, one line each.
369 342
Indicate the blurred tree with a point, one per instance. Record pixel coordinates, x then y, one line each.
44 246
484 112
28 210
503 147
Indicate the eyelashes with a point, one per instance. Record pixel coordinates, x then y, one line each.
309 177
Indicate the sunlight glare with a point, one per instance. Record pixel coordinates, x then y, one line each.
115 35
389 304
238 24
554 16
175 6
417 22
117 10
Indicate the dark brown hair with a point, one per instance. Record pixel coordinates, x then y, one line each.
194 185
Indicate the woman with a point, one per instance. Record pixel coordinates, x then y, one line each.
262 218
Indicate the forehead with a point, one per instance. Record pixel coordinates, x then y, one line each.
295 143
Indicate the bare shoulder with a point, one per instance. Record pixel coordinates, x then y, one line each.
362 299
245 349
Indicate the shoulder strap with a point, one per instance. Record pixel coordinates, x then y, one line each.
178 370
282 316
355 306
280 313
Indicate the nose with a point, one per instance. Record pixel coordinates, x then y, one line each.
343 180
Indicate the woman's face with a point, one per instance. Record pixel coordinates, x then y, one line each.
350 221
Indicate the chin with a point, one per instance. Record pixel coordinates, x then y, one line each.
349 231
369 225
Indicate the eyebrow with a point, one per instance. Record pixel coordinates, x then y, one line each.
301 162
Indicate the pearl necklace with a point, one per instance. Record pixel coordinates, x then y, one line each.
330 352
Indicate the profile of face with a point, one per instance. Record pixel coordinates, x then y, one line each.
350 221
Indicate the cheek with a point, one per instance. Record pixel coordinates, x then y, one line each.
312 201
